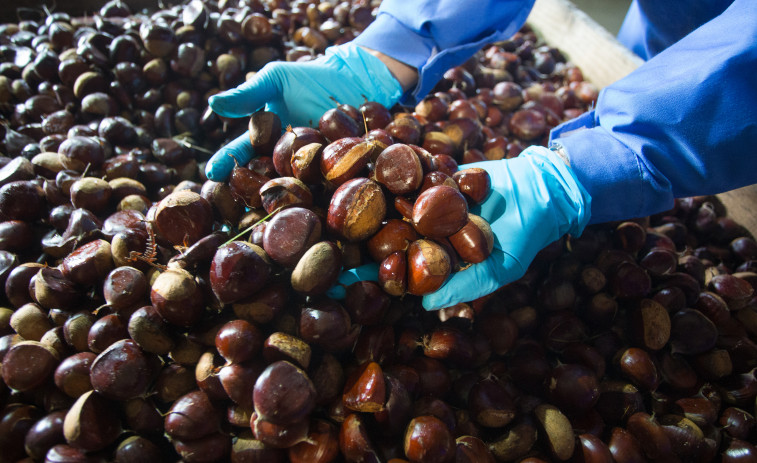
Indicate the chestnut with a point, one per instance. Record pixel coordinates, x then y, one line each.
405 129
288 144
365 390
395 235
439 212
321 445
345 159
177 297
238 270
245 185
265 129
183 217
283 346
399 169
428 266
150 331
428 439
192 416
527 124
290 233
284 192
137 369
283 393
22 200
306 163
28 364
89 424
89 263
474 183
354 440
557 430
356 209
318 269
374 115
475 241
335 124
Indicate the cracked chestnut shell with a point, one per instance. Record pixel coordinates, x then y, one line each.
356 210
345 159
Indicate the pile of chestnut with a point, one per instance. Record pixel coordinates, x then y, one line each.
149 314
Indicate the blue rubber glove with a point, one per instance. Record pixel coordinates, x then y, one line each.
299 93
535 199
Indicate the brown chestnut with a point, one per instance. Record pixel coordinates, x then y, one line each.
428 266
399 169
356 209
439 212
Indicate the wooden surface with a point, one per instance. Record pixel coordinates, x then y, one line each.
604 60
600 56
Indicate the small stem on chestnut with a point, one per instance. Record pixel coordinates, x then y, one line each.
191 145
249 229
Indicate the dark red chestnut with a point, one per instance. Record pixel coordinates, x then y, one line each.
238 270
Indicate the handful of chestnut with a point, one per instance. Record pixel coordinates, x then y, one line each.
358 177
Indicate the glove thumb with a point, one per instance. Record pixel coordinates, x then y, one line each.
250 96
353 275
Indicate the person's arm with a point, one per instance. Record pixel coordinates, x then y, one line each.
682 124
405 51
435 35
652 26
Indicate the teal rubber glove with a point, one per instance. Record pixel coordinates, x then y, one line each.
299 93
535 199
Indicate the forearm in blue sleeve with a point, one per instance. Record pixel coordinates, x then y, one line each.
653 25
435 35
682 124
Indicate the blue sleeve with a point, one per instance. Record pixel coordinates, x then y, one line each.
653 25
435 35
682 124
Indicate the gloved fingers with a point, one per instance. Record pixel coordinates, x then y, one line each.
353 275
249 96
238 151
476 281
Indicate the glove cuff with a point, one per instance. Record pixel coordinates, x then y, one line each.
371 71
569 196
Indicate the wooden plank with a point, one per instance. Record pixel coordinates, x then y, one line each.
600 56
604 60
741 205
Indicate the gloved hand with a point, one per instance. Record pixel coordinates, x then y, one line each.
535 199
299 93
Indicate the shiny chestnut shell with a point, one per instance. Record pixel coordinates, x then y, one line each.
238 270
439 212
428 266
